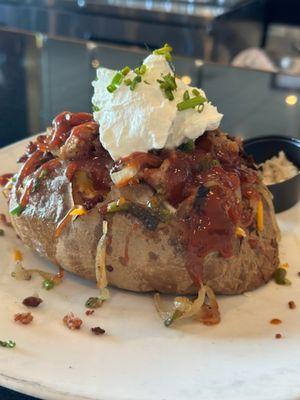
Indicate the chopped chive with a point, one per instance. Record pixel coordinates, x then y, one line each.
143 69
186 95
48 284
116 81
95 108
93 302
200 108
8 343
135 81
111 88
191 103
125 71
169 95
1 232
17 210
147 83
188 146
196 92
168 85
140 70
128 82
164 51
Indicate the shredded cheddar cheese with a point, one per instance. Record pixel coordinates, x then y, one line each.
240 232
77 211
260 216
18 255
73 212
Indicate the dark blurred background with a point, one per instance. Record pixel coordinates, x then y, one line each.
49 50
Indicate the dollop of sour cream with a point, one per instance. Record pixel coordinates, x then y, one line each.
144 118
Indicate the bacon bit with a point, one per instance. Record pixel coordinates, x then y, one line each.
5 178
275 321
73 212
72 322
260 216
32 301
292 305
18 255
4 221
284 265
97 330
89 312
23 318
278 336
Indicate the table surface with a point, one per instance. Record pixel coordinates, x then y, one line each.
41 76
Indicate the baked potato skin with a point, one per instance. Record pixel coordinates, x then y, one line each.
138 259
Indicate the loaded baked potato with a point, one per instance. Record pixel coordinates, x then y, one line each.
176 218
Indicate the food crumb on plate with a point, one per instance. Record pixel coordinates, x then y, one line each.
278 336
292 305
23 318
275 321
89 312
72 322
32 301
97 330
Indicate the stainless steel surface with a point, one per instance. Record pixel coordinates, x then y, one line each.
41 76
214 30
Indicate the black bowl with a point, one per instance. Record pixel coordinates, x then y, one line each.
287 193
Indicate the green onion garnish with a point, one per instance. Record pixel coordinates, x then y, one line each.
196 92
116 81
164 51
8 343
191 103
93 302
111 88
140 70
186 95
125 71
95 108
168 85
48 284
200 108
188 146
17 210
135 81
1 232
128 82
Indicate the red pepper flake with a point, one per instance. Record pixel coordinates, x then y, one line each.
23 318
72 322
4 221
32 301
89 312
97 330
292 305
278 336
275 321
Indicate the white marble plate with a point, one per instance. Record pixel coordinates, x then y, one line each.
138 358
